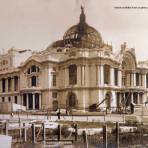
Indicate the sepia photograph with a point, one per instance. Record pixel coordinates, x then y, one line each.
73 74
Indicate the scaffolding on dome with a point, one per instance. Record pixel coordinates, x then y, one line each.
81 35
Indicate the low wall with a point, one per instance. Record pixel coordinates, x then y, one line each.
10 107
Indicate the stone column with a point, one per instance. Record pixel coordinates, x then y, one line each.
144 80
142 98
84 100
33 97
66 76
132 100
124 96
120 98
134 79
65 84
79 75
112 78
87 75
12 85
62 84
113 99
19 83
98 68
101 75
83 75
128 80
119 78
21 98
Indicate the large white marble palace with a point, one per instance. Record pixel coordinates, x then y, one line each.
74 72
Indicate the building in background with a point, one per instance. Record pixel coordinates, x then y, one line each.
74 72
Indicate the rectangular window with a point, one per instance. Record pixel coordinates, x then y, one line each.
54 80
146 80
116 76
137 79
15 99
73 74
9 99
54 94
3 85
15 83
9 84
33 81
24 99
106 74
118 99
3 99
141 82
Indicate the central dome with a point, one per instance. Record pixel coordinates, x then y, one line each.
81 35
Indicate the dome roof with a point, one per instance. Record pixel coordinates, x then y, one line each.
81 35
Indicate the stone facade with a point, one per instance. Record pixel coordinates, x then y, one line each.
75 72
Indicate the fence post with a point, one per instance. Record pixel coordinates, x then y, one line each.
85 139
6 128
104 136
59 132
24 131
44 132
141 134
33 133
20 133
47 114
76 132
117 134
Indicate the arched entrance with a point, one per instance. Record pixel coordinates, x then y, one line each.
71 101
108 97
55 105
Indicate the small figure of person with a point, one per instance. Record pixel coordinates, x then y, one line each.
58 114
12 114
67 111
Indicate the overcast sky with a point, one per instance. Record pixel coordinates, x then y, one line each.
35 24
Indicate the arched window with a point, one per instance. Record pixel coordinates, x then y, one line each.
33 81
33 75
33 69
71 100
55 105
106 74
72 74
